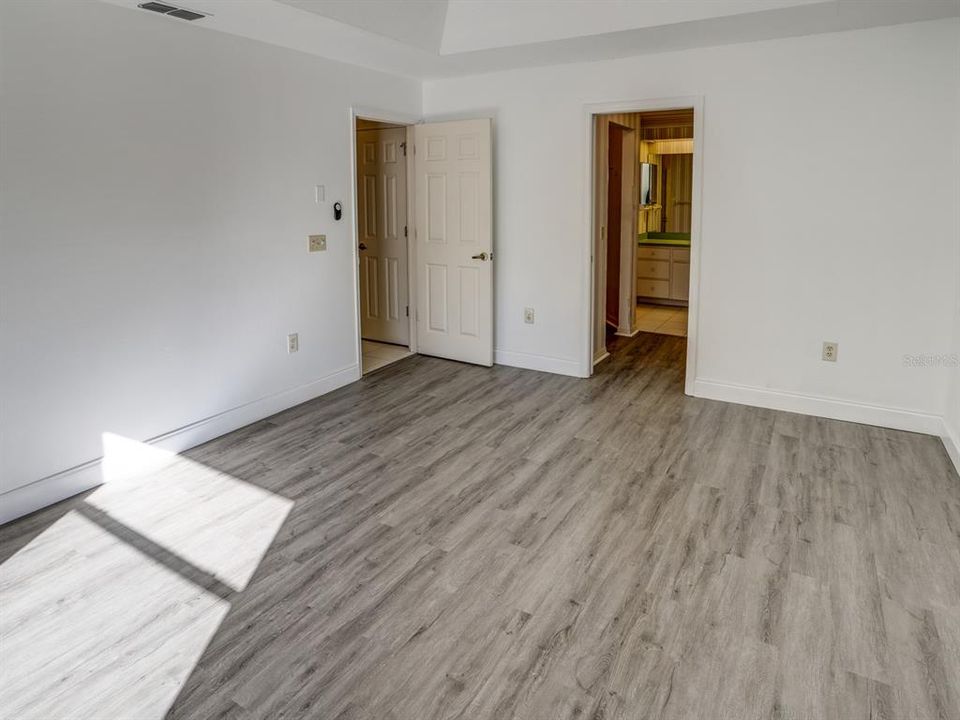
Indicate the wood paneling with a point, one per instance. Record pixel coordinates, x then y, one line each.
628 120
671 147
663 133
676 177
667 125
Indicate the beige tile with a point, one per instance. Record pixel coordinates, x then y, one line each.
384 350
662 319
372 362
673 328
647 325
377 355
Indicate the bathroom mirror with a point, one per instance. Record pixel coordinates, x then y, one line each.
648 184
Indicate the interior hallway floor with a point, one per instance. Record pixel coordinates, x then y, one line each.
662 319
376 355
441 540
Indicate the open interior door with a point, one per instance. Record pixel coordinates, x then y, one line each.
382 213
454 240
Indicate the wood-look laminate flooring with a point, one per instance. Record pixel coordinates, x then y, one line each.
479 543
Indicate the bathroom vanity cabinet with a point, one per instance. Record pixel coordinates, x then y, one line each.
663 273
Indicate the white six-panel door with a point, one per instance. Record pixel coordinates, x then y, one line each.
382 216
454 240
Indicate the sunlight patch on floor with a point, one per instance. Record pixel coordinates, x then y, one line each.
106 612
210 519
93 628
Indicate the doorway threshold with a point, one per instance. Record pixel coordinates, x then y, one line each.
377 355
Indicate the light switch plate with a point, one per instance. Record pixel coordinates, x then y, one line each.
318 243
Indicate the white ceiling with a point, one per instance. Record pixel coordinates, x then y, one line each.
436 38
418 23
472 25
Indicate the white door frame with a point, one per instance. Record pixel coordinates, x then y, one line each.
628 235
386 116
696 241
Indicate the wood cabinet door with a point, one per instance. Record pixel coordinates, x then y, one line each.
680 281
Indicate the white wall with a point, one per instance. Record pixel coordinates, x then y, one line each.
831 211
157 193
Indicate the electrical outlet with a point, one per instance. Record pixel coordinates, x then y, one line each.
293 343
830 351
528 316
318 243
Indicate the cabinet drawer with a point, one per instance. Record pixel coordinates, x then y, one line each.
653 253
653 269
681 255
653 288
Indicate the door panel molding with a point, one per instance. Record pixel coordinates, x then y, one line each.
383 248
453 190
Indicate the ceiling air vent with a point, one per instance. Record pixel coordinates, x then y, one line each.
157 7
186 14
171 10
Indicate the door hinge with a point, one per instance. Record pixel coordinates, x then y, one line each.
405 231
404 146
408 311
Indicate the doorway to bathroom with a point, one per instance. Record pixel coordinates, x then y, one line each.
644 243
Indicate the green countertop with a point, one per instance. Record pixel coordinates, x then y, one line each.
673 239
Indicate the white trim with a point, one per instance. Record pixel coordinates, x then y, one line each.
543 363
59 486
396 118
951 443
627 317
696 240
832 408
600 358
411 245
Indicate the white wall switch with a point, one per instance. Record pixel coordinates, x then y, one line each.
293 343
830 351
319 194
318 243
529 316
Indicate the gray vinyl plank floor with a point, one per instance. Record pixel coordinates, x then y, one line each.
446 541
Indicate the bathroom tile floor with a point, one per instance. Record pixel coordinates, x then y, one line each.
662 319
377 355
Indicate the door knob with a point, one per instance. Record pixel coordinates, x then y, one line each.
363 246
481 256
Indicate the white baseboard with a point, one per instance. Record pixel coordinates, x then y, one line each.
59 486
834 409
951 441
544 363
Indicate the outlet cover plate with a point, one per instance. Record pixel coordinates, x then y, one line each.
318 243
529 316
830 350
293 343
